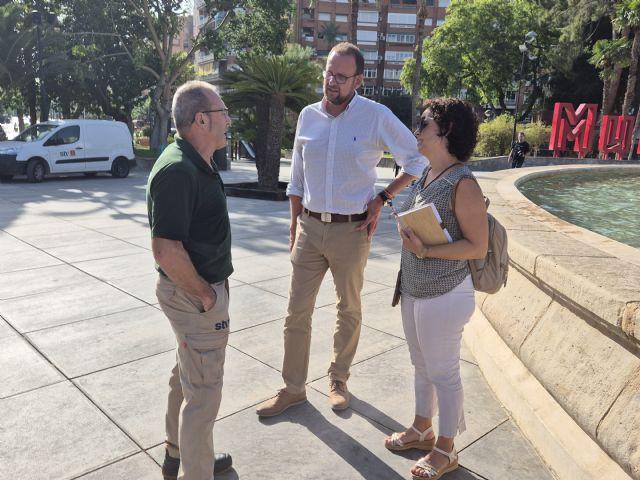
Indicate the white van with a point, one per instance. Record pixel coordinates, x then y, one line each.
68 146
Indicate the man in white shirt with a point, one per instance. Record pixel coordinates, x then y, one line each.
334 213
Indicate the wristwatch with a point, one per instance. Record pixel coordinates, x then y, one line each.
384 196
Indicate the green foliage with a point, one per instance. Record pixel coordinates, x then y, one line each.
476 49
537 134
330 32
494 137
259 26
261 77
605 54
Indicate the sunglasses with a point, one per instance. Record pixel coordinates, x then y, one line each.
423 124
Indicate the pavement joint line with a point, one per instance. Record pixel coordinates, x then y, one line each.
33 389
38 330
488 432
77 387
133 360
255 358
473 472
256 325
108 464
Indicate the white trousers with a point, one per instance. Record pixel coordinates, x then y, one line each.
433 329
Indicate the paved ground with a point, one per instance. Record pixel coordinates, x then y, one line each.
86 353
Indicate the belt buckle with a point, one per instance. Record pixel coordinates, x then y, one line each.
325 217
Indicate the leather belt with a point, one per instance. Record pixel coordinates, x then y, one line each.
336 217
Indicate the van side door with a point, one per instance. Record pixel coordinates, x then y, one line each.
65 150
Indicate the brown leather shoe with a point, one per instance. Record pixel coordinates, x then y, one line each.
338 395
278 404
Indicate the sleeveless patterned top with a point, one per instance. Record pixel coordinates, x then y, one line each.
432 277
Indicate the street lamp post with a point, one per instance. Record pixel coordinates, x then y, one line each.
525 48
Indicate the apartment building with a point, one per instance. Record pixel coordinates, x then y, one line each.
207 68
183 41
320 19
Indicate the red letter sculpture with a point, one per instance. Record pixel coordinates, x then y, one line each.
572 128
615 135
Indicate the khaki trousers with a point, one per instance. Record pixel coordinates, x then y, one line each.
320 246
196 380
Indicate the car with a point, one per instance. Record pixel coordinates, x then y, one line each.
68 146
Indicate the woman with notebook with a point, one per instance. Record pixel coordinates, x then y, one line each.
436 289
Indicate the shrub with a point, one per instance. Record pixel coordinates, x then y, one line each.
494 137
146 131
537 134
170 138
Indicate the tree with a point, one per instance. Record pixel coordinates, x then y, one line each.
469 52
270 84
15 39
355 9
105 77
330 32
163 22
421 16
260 26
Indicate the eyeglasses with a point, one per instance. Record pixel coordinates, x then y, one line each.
338 77
225 110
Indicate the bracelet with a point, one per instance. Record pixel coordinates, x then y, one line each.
424 253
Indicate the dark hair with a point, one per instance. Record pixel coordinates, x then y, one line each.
346 48
457 123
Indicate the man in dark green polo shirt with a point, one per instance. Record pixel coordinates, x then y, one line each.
191 243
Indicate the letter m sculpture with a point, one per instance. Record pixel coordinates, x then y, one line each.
572 126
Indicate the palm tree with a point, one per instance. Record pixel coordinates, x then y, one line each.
330 33
355 8
420 31
270 84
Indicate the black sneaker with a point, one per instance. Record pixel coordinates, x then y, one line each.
223 462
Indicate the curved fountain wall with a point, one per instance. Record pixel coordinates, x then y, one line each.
571 314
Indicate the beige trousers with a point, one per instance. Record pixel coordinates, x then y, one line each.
195 386
320 246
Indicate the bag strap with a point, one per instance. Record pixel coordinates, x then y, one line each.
455 187
440 174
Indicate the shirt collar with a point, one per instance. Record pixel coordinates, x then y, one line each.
192 154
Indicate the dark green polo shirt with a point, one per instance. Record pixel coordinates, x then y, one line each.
186 202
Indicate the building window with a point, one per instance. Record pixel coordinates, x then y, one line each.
428 21
342 18
392 74
308 34
370 55
367 37
395 56
367 17
402 18
324 17
440 22
443 3
342 1
370 73
409 38
367 91
341 37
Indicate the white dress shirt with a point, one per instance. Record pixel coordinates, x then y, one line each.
334 158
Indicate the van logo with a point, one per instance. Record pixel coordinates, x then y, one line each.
222 325
70 153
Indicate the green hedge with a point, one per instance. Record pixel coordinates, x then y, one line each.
494 136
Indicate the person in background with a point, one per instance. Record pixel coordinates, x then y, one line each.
518 151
